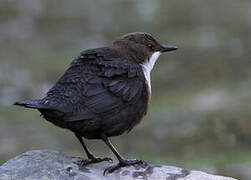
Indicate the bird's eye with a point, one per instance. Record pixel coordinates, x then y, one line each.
150 46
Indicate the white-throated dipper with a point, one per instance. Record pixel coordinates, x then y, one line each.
105 92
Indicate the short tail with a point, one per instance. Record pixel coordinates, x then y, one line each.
35 104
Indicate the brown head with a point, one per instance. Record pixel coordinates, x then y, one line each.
140 46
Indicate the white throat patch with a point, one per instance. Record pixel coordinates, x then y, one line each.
148 66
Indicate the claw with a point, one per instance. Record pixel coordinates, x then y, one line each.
124 163
85 162
108 159
96 160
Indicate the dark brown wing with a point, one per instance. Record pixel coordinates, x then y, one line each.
96 85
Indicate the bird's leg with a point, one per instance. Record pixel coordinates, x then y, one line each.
122 161
91 158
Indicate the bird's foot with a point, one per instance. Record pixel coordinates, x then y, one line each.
124 163
93 159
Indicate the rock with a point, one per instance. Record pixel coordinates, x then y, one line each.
53 165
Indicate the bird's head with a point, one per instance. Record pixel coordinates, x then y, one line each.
141 47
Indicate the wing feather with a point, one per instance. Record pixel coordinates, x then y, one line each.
95 85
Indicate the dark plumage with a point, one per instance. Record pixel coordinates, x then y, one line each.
104 93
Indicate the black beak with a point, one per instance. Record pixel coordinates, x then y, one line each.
166 48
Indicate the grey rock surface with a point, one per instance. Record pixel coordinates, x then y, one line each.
53 165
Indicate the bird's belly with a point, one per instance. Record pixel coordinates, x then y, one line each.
112 123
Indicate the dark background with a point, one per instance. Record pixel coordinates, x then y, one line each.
200 114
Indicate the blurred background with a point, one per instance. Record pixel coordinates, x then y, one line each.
200 114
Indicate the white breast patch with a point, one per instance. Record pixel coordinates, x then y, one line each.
148 66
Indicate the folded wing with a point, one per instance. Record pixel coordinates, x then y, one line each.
96 85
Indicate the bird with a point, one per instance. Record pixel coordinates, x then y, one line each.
105 92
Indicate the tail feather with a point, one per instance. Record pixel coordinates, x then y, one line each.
41 104
35 104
